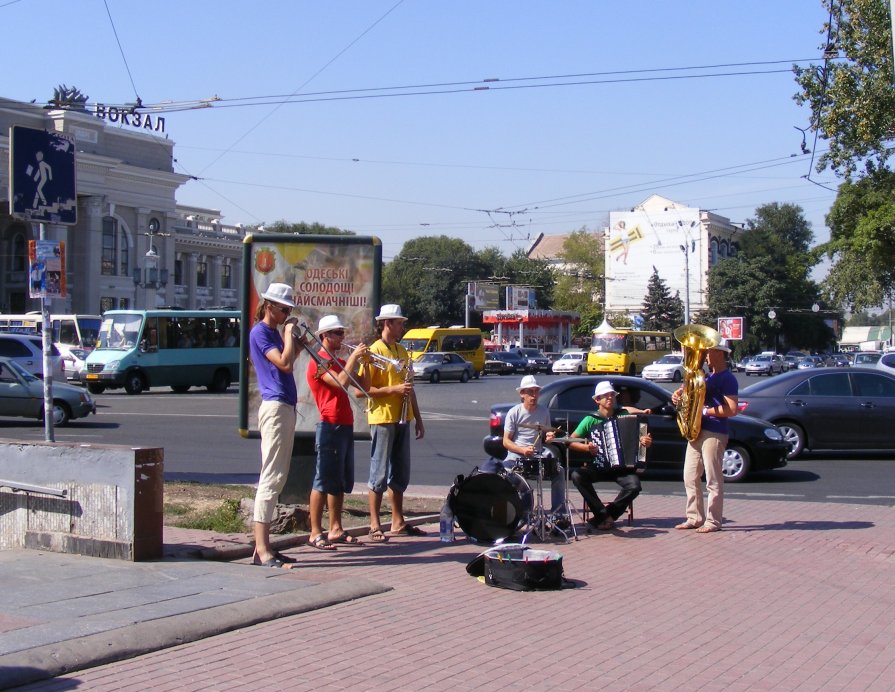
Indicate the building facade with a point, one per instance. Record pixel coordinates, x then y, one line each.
132 245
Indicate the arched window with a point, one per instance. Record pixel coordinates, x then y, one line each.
115 259
713 252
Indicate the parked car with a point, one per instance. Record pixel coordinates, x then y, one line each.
439 365
743 362
838 361
22 395
27 351
571 363
765 364
830 408
753 445
537 361
809 363
792 362
505 363
669 367
886 363
74 364
866 359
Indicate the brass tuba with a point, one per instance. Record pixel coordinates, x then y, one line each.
695 339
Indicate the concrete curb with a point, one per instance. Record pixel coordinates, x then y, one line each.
42 663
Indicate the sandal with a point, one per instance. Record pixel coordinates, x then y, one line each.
708 528
272 562
686 526
285 559
377 536
407 530
345 538
321 543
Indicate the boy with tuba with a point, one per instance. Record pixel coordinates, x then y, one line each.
707 450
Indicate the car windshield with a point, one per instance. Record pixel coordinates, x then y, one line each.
430 358
669 360
119 332
608 343
572 356
414 344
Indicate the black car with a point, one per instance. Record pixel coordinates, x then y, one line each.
754 445
505 363
537 361
829 408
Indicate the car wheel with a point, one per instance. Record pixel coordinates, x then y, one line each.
735 463
435 377
794 436
220 382
133 383
180 388
61 413
464 377
95 388
677 377
632 371
579 371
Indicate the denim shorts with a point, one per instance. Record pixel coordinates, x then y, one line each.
390 457
334 444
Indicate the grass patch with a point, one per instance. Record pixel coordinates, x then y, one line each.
222 519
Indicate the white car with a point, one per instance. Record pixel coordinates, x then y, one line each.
74 362
669 367
572 363
27 351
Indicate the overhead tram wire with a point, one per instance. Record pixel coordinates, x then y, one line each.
127 67
467 86
307 81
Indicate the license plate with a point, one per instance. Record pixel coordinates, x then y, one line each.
92 377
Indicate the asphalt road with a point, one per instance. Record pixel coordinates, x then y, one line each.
199 434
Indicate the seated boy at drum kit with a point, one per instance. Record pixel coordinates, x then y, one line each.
600 468
526 428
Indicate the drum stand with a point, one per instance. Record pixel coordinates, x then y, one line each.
568 508
537 518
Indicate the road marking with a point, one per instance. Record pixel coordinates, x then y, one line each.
432 415
177 415
728 493
861 497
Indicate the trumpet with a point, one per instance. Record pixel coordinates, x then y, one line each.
311 343
377 360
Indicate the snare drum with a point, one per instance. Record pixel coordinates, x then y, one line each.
491 506
541 466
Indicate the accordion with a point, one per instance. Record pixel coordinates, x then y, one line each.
618 443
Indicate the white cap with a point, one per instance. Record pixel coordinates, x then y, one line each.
605 387
279 293
528 382
722 346
328 323
390 312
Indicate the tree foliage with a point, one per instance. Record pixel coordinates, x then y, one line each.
303 228
770 272
862 242
580 282
852 100
661 310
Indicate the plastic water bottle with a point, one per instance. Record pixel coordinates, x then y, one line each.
446 524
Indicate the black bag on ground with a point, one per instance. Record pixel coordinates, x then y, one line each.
520 568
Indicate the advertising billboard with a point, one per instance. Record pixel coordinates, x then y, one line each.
730 328
329 274
637 241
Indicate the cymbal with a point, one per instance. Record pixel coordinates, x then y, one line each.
538 426
564 440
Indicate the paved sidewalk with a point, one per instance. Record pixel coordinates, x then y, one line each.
791 595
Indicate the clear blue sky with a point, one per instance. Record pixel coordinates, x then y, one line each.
406 165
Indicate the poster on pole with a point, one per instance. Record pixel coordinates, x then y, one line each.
46 269
329 275
730 328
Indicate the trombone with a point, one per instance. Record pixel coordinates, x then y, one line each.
377 360
311 343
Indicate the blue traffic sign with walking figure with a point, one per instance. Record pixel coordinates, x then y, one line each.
42 176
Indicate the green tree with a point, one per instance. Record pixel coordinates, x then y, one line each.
852 100
770 272
661 311
303 228
862 242
580 281
521 270
428 279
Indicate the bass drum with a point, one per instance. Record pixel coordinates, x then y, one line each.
491 506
